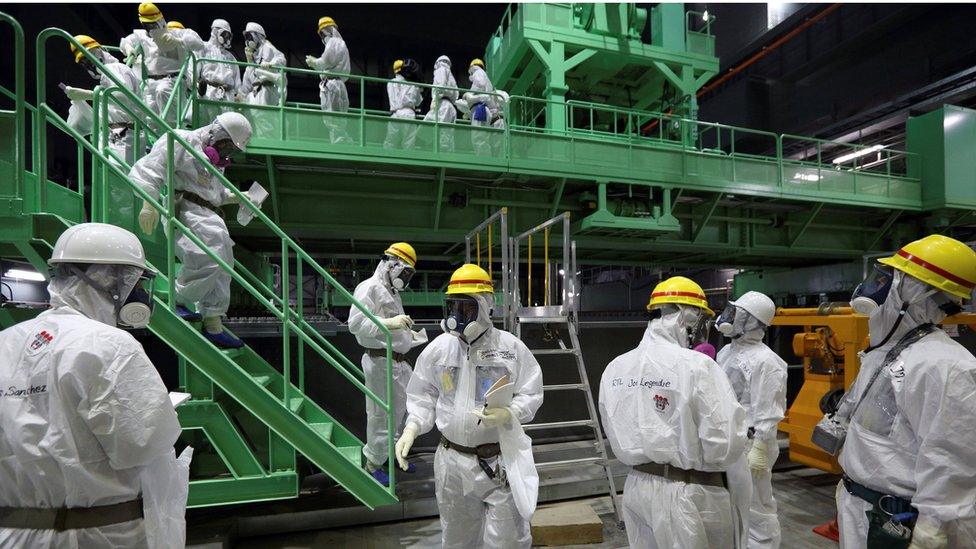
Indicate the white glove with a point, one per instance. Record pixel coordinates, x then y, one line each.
398 322
249 54
495 417
404 444
310 61
266 65
928 535
758 456
78 94
148 218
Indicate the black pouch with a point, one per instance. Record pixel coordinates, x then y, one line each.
885 534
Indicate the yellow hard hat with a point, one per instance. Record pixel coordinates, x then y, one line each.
938 261
469 279
149 13
477 62
88 42
397 65
326 22
174 25
681 291
404 251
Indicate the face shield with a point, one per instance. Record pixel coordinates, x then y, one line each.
400 272
89 65
154 26
698 326
873 290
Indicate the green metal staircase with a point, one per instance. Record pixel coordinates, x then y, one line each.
248 419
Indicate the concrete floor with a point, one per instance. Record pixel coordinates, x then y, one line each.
805 497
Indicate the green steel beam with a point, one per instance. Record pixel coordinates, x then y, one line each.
709 211
438 201
224 491
558 197
884 229
806 224
273 184
210 417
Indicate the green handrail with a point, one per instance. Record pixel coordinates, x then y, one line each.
288 245
21 147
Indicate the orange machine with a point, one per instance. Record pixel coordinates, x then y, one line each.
828 342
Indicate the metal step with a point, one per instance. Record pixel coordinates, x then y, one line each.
323 429
540 352
543 319
558 424
567 462
296 404
564 387
263 381
352 453
233 353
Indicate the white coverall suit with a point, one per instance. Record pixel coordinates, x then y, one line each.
84 416
758 377
442 107
449 384
404 100
913 436
667 404
379 297
223 80
201 280
332 89
163 60
261 86
485 143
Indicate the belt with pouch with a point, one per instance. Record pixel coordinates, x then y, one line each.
482 451
888 503
381 353
196 199
691 476
162 76
60 519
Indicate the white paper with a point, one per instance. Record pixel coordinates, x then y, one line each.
500 396
256 194
418 337
179 398
519 465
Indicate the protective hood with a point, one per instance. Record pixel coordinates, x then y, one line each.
673 326
472 332
382 273
922 309
73 291
442 61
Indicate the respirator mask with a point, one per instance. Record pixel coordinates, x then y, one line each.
132 294
252 40
873 290
400 273
465 316
224 38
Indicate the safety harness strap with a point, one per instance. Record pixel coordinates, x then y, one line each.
60 519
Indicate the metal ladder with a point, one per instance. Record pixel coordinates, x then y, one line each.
592 421
559 278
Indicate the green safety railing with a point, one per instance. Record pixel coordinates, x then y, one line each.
20 148
293 320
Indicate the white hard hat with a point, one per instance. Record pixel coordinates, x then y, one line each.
758 305
223 25
98 243
256 28
237 127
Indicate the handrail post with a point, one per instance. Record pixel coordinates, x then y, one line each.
286 325
300 287
170 216
20 148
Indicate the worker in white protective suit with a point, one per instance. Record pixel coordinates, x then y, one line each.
199 194
448 387
671 415
442 100
909 414
332 87
121 134
86 423
164 50
486 110
758 377
405 99
222 79
380 295
263 83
